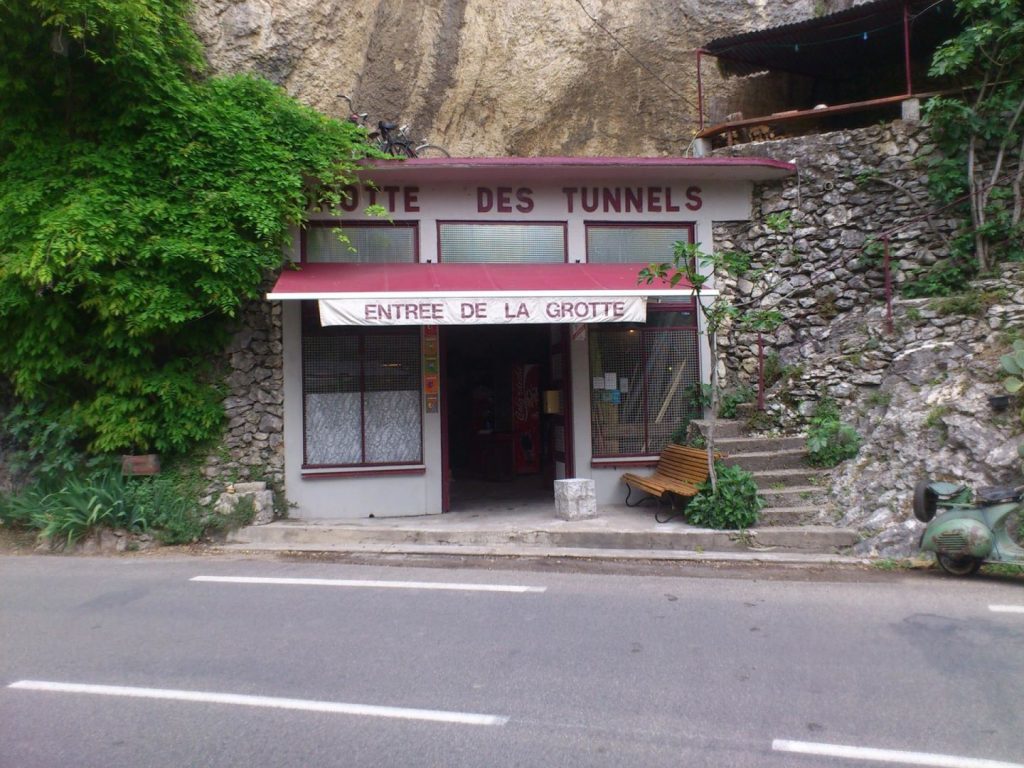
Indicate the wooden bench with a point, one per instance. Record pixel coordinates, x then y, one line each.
680 472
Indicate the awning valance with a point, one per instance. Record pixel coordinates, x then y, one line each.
457 294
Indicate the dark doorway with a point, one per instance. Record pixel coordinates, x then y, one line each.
497 435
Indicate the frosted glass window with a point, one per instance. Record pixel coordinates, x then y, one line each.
506 243
361 395
368 244
608 244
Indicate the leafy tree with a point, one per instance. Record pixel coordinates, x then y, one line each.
697 268
141 203
981 135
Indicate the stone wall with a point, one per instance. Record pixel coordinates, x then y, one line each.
917 392
252 447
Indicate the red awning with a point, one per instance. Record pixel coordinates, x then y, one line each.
425 281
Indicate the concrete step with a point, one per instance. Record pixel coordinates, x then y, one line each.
769 479
808 514
676 535
795 496
757 461
723 427
746 444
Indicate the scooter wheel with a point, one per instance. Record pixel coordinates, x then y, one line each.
926 501
959 566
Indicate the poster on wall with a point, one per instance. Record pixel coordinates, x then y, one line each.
526 418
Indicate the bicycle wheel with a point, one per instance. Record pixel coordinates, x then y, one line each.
431 150
401 149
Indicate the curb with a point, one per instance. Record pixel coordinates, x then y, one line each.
579 553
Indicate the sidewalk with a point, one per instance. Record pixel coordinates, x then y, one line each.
532 530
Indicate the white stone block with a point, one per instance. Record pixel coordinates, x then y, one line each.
575 499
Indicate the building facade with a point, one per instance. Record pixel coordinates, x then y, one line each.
470 329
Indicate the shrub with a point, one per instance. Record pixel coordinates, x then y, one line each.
735 504
829 440
78 506
170 507
732 398
79 503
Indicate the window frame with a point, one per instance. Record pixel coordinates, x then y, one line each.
690 226
361 333
517 222
606 459
412 224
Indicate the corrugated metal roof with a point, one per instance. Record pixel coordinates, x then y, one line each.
832 46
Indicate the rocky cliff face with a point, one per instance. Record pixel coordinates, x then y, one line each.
495 77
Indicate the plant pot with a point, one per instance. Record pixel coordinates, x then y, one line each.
140 464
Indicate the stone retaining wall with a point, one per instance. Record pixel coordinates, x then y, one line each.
917 393
252 447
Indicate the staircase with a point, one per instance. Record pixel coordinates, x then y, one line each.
794 493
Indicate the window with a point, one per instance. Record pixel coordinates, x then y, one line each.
646 382
462 242
634 243
361 394
368 242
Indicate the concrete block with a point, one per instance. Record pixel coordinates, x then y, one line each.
911 110
575 499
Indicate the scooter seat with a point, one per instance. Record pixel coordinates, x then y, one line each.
999 494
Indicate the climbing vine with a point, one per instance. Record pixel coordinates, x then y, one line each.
141 203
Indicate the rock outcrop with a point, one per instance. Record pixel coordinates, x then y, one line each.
495 77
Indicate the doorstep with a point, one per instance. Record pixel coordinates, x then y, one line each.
618 532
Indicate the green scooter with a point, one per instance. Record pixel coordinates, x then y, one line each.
962 534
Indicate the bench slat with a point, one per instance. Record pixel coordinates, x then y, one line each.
680 470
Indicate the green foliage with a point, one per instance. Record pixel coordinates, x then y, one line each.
732 399
779 222
1013 364
141 203
42 448
829 440
970 303
878 399
733 505
168 502
979 137
79 505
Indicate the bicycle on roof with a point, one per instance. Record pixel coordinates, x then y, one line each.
392 138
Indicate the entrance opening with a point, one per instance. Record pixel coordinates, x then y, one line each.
500 448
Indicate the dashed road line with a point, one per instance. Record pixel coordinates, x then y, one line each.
887 755
242 700
1007 608
371 584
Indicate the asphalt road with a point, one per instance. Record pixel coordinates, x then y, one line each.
131 662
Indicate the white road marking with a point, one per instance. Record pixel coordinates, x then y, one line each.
367 583
1007 608
887 755
305 705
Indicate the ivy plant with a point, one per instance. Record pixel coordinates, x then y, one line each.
142 202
